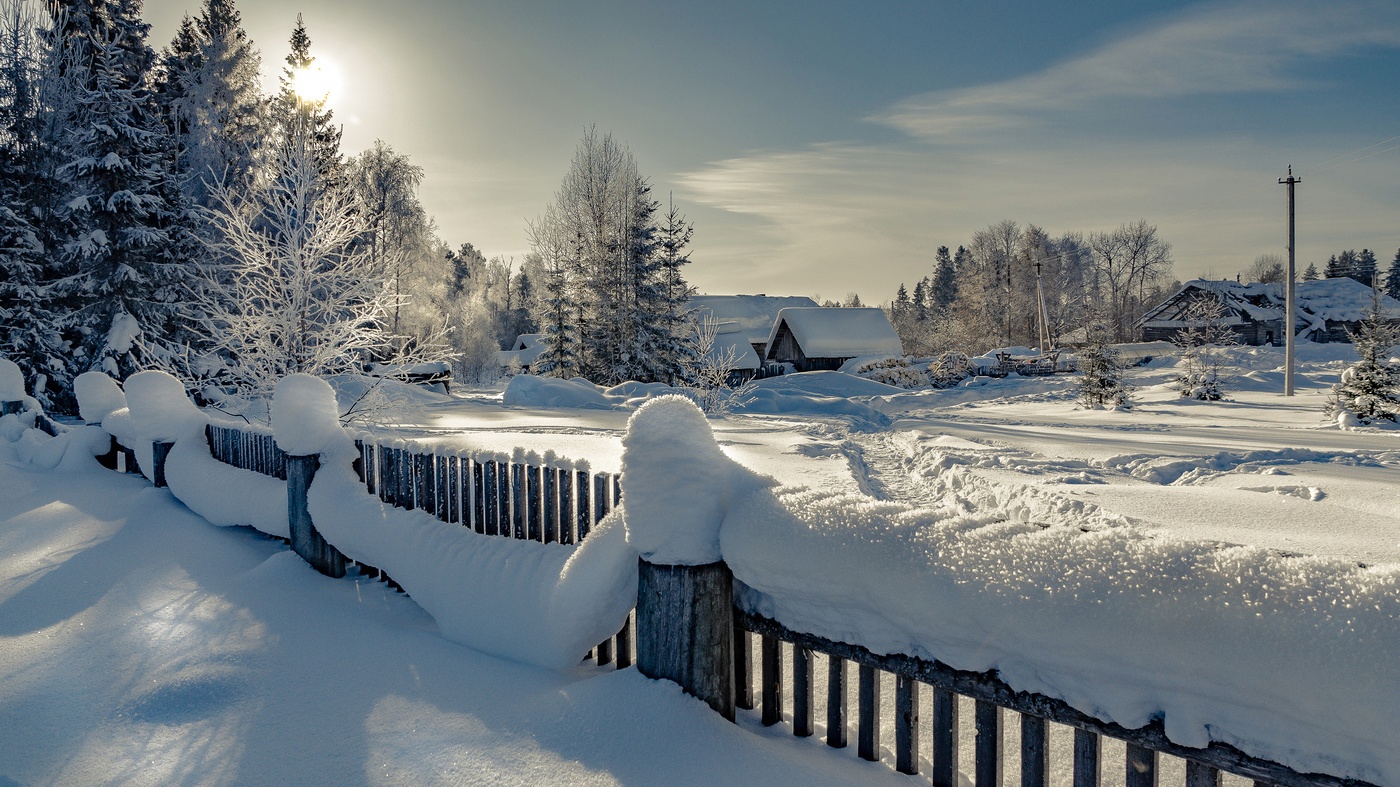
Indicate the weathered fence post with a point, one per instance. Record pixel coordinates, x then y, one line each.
159 451
11 408
306 541
109 459
685 629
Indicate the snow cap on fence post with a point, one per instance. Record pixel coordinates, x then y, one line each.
677 483
159 408
98 396
306 418
11 381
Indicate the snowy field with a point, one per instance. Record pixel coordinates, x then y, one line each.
141 645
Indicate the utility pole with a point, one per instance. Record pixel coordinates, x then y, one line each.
1289 327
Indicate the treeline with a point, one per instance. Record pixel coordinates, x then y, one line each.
1361 266
988 293
143 194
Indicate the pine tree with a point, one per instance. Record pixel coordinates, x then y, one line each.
210 92
945 286
1334 269
560 357
1392 277
677 353
1369 390
902 307
1310 273
920 300
125 290
1102 385
295 110
1364 267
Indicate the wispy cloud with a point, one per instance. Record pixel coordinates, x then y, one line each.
1216 49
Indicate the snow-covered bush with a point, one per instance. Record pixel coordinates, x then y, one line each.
1203 368
949 369
892 371
1102 385
710 372
1369 390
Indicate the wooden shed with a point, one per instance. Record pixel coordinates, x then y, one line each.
1326 310
814 338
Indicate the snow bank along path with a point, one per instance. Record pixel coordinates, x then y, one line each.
1287 658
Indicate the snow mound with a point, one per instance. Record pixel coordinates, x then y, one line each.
11 381
548 603
71 451
526 390
826 384
223 494
98 396
306 417
677 483
159 409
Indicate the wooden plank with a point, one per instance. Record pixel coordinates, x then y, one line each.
803 693
490 500
836 702
1202 775
426 466
600 497
444 487
771 680
519 506
1035 751
987 771
604 652
944 757
478 495
624 644
906 725
159 451
986 686
362 464
585 510
868 713
503 499
403 473
533 514
1087 745
454 489
306 540
567 518
381 468
550 490
743 665
1140 767
684 629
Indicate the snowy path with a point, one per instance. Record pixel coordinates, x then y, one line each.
141 645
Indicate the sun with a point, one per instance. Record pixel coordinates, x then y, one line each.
316 83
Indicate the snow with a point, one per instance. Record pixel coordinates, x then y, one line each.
1318 302
11 381
677 485
838 333
542 604
731 343
159 409
225 495
1341 300
306 417
144 647
121 337
98 396
526 390
755 314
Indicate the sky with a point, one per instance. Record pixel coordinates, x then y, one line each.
824 148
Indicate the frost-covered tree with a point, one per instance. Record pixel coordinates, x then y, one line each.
1310 273
1130 260
1266 269
301 108
1102 384
1369 390
674 353
1392 277
558 319
122 293
1203 373
398 231
288 289
601 234
211 91
945 283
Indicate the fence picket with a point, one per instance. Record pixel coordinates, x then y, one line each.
987 764
868 713
532 504
1035 752
1087 746
584 510
1140 767
771 680
550 490
836 702
743 664
945 738
566 507
906 724
803 692
1202 775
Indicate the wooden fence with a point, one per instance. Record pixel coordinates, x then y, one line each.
690 629
522 497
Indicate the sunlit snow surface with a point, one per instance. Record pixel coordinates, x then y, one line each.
142 647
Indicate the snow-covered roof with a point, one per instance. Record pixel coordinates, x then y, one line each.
730 338
1320 301
839 332
527 341
755 314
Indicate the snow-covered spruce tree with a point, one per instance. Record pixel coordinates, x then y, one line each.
1369 390
1102 383
675 353
1392 277
1200 346
288 290
211 94
557 316
300 108
122 293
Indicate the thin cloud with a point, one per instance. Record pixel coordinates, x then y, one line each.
1218 49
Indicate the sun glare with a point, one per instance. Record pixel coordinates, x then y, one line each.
317 83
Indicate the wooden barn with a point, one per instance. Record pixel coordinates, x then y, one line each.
814 338
1326 310
753 314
